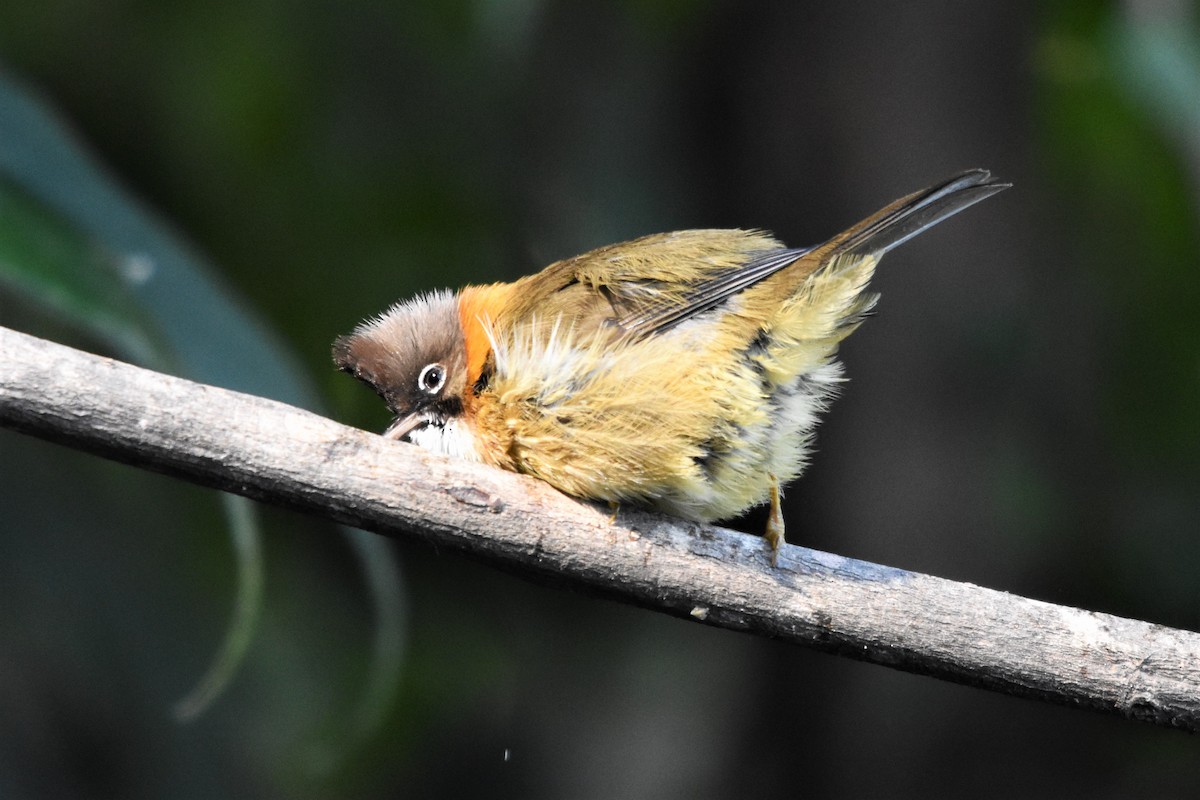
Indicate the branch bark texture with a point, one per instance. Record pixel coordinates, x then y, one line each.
290 457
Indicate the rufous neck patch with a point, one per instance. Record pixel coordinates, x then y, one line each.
479 309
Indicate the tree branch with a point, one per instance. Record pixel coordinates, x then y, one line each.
283 455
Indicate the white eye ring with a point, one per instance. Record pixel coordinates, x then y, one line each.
432 378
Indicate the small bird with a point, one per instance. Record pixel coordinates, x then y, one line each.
681 371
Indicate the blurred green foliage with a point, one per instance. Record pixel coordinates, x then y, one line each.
1118 108
74 244
51 263
1119 104
1022 413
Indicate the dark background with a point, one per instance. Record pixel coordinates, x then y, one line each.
1023 411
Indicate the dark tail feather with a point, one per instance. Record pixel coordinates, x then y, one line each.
909 216
883 230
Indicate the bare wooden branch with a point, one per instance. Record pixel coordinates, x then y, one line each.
283 455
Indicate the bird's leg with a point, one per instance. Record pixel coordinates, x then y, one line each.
615 508
774 532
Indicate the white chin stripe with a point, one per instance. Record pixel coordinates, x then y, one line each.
451 439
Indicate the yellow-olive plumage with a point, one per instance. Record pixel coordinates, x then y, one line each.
681 371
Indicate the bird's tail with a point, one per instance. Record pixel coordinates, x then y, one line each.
831 279
902 220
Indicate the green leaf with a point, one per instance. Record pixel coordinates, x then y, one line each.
73 240
52 263
247 540
1157 61
210 335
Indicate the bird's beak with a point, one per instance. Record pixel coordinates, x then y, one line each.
403 426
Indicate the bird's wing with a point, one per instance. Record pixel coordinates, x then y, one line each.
696 298
649 285
637 287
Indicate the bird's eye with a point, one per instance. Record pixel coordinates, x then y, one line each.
432 378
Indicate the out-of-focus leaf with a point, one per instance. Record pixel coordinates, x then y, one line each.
1157 61
71 238
244 530
52 263
387 657
211 336
1128 175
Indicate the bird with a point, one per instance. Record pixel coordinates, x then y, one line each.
682 372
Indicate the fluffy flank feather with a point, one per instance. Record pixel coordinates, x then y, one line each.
610 422
635 421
